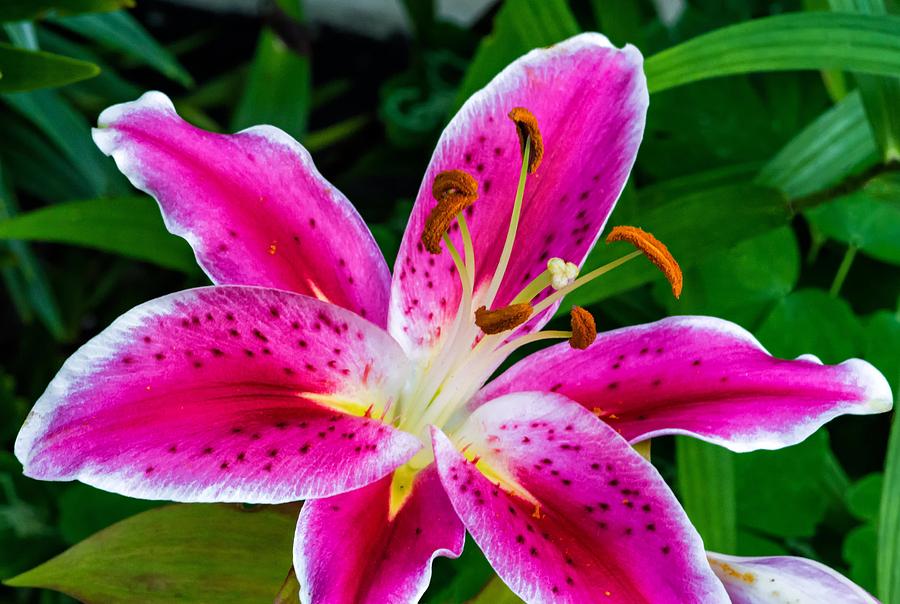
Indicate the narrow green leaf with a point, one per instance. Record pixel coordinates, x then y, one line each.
178 553
860 43
824 153
25 70
706 486
881 95
30 287
121 32
519 26
882 344
69 131
277 90
694 226
129 226
22 10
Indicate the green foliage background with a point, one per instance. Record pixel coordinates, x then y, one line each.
769 168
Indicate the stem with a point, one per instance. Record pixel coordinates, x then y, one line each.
842 271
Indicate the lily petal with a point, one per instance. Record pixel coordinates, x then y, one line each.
223 393
703 377
251 204
575 515
349 549
590 100
777 579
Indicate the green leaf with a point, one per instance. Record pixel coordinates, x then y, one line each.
864 497
860 43
706 487
868 219
811 321
121 32
882 343
739 284
881 95
22 10
495 592
277 90
25 70
695 226
519 26
861 553
835 145
129 226
26 278
71 133
84 510
787 492
178 553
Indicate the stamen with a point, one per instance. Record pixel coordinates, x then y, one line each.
655 251
584 328
527 127
454 182
455 190
502 319
562 272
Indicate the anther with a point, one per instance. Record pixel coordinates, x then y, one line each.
655 251
562 273
454 190
527 127
503 319
584 328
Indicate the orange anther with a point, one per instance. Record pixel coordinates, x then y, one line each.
655 251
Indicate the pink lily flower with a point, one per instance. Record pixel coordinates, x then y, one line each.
310 372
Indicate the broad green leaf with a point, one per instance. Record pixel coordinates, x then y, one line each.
177 553
880 94
22 10
882 343
860 43
861 553
84 510
864 497
519 26
787 492
694 226
706 487
741 283
868 219
810 321
129 226
277 90
25 70
121 32
835 145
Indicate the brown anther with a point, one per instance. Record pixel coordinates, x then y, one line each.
454 182
655 251
527 127
455 190
502 319
584 328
